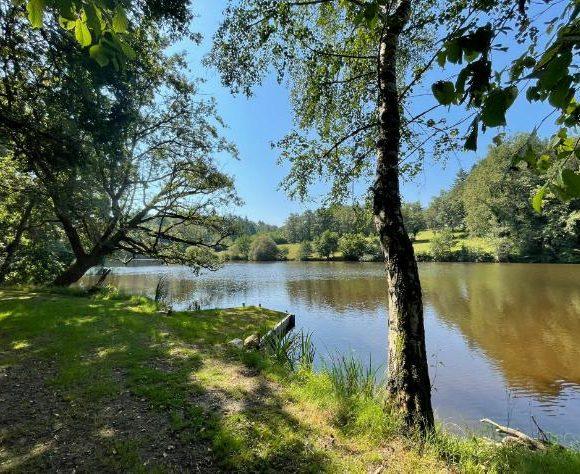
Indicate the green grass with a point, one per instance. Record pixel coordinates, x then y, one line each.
422 243
107 383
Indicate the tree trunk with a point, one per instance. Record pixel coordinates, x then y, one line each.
12 247
408 375
77 269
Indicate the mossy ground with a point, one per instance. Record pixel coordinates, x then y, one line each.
108 384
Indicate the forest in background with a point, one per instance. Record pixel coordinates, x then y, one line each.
485 216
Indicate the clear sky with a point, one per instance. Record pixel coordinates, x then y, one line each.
267 116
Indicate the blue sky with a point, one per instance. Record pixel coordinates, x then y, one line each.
253 123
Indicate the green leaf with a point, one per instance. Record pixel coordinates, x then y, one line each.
471 140
543 162
94 19
496 104
65 9
454 52
82 33
128 51
99 54
120 22
571 181
555 70
538 200
35 9
66 24
562 94
444 92
461 80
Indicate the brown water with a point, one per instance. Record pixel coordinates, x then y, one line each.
503 339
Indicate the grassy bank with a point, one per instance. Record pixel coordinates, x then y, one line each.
109 384
421 245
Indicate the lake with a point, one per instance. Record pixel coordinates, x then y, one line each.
503 340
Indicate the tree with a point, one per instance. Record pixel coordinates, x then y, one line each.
263 249
352 246
544 66
305 250
446 211
413 217
32 248
497 197
105 27
326 244
128 168
353 66
442 244
242 246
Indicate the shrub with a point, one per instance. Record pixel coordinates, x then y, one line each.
352 246
373 251
241 248
263 248
278 236
326 244
442 245
304 251
282 254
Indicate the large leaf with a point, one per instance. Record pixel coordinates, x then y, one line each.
82 33
65 9
496 104
99 54
538 200
120 22
94 19
35 9
571 181
444 92
471 140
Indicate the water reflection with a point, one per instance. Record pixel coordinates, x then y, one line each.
503 339
526 318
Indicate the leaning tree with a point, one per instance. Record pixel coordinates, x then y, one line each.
125 159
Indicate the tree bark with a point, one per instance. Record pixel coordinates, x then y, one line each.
408 375
12 247
77 269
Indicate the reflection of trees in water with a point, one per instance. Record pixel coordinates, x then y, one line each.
365 294
183 293
526 318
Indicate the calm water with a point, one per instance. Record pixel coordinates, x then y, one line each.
503 339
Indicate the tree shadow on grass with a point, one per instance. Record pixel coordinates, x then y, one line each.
102 386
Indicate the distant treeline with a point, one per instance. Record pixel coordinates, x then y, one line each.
491 202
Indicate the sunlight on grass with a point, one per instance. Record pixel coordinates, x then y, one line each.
124 376
19 345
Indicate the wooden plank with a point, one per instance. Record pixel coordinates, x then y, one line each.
282 328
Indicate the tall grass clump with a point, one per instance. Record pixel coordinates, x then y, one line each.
294 350
350 377
361 402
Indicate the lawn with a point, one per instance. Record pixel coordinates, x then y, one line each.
109 384
422 243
